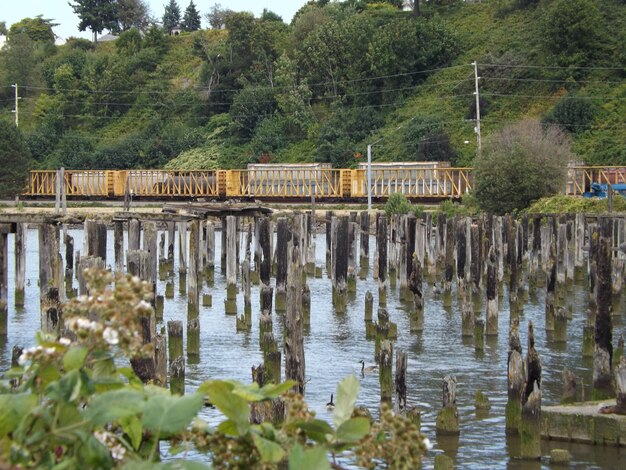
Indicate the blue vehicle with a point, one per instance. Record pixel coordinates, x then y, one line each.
600 190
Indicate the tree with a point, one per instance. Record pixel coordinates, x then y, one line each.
97 15
14 158
18 60
38 29
3 28
171 16
191 20
132 14
520 164
217 16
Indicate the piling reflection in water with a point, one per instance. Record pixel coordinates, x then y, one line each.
335 342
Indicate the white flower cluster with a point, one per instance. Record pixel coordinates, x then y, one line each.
82 325
143 306
33 353
118 452
111 336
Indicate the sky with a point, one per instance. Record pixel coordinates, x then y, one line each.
12 11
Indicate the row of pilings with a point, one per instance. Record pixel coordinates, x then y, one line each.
462 258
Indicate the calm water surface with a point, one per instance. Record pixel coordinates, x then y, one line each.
335 343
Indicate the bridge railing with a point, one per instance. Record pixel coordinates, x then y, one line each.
414 182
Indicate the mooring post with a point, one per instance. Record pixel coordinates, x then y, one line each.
516 376
603 350
447 423
401 365
20 264
530 421
294 340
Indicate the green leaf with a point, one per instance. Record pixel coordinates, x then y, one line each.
74 358
347 391
233 406
270 451
115 406
228 427
353 429
316 429
312 459
132 427
274 391
171 414
13 408
250 393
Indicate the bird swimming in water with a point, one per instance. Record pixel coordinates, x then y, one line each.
330 406
368 369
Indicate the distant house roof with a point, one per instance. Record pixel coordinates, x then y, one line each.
107 37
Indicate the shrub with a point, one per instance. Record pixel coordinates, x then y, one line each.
398 204
574 114
15 159
519 165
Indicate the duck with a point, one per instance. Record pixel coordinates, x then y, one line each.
330 406
368 369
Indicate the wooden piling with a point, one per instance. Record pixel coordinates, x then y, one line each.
175 349
160 358
530 421
209 268
283 236
193 340
4 282
620 387
381 255
603 350
551 285
364 240
193 288
447 423
385 376
171 242
492 294
134 234
20 263
416 287
295 365
118 245
86 263
96 236
339 261
369 306
449 263
401 365
516 375
182 248
476 259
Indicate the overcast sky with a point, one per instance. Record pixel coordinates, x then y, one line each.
59 10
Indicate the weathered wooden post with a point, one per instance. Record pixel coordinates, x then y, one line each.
385 366
561 255
176 357
408 254
448 417
231 265
352 254
381 254
530 421
513 267
150 245
48 258
492 294
462 253
401 365
20 264
603 350
85 263
476 261
4 280
209 267
440 240
294 341
416 287
533 266
193 340
182 254
329 222
339 261
516 376
134 235
193 291
620 387
118 245
96 237
160 358
449 263
283 236
369 306
551 286
364 245
569 387
171 242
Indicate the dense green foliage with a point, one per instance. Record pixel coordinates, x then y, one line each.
74 402
341 75
14 159
519 165
561 204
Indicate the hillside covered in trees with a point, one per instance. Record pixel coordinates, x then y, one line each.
341 76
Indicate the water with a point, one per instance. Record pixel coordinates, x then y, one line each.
335 343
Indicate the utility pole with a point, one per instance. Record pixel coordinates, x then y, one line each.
17 106
476 78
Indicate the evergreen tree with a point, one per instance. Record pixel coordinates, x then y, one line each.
191 20
97 15
171 16
14 158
